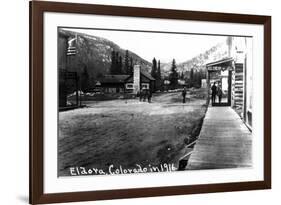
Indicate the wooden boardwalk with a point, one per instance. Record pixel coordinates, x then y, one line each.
224 141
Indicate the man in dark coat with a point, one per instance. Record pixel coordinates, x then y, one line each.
140 95
183 94
219 93
214 92
149 95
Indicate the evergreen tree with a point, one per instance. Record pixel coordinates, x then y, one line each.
195 79
113 62
158 70
158 77
173 77
191 77
200 77
127 63
182 76
100 75
116 63
84 79
120 66
154 68
131 66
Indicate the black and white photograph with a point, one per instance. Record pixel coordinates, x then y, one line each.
143 102
131 102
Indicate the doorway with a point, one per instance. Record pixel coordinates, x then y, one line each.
222 80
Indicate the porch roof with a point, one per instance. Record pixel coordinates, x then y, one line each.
114 79
220 63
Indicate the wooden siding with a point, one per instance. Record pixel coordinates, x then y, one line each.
238 88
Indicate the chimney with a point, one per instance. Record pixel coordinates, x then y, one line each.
136 76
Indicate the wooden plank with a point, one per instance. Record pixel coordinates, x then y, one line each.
224 142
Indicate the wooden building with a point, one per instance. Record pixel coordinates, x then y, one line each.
146 81
68 81
113 83
234 75
127 83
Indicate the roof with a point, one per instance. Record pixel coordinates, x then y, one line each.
147 75
144 77
123 78
114 78
220 63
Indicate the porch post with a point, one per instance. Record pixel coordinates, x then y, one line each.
208 85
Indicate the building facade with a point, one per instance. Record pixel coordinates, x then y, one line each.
234 75
127 83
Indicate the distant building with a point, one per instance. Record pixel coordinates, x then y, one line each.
127 83
113 83
139 80
181 82
203 83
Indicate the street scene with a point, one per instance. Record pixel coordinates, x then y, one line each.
129 132
127 107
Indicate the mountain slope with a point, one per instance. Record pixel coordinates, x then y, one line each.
198 62
94 54
213 54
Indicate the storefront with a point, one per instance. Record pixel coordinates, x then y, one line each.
233 75
219 74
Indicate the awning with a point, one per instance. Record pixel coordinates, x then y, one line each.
223 64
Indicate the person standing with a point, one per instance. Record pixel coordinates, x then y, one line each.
219 93
141 94
214 92
183 94
144 96
149 95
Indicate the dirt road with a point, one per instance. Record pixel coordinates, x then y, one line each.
127 132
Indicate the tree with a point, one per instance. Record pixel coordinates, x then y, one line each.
191 78
116 67
195 79
158 70
154 68
173 77
127 63
84 79
182 76
200 76
113 63
158 77
131 65
116 63
120 65
100 75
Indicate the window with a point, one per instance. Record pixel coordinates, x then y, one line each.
129 86
145 85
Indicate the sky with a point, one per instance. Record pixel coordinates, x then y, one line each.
162 46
